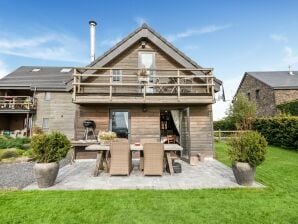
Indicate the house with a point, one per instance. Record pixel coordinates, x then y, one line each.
269 89
142 88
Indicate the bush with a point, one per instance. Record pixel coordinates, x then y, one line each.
289 108
279 131
224 124
6 154
49 148
9 142
249 147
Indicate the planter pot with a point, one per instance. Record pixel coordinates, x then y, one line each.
46 174
244 173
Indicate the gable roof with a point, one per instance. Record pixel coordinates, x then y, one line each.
140 33
277 79
47 78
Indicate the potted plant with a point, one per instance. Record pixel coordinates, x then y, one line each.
48 150
247 151
105 137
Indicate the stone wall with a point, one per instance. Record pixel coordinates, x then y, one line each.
266 102
283 96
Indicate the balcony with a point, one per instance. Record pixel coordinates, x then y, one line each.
141 86
17 104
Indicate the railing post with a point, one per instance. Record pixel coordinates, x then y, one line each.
144 89
219 135
111 87
178 81
207 82
212 85
74 85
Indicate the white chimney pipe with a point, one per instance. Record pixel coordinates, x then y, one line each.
92 25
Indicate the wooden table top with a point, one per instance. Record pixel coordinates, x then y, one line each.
133 147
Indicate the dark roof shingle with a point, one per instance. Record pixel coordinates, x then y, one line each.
47 78
277 79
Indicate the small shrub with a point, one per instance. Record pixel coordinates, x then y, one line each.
249 147
37 130
50 147
6 154
9 142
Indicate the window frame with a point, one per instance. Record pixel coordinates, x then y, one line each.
118 76
43 123
257 94
47 96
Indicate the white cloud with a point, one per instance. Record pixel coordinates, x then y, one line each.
140 20
3 69
290 57
197 31
49 46
279 38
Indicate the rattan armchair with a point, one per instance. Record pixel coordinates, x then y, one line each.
120 159
153 158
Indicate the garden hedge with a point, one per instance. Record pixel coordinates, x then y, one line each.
279 131
289 108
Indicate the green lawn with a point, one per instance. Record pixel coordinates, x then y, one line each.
277 203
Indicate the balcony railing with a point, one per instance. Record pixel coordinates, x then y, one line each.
17 103
142 83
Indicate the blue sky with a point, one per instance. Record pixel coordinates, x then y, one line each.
230 36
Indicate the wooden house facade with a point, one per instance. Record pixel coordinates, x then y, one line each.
142 88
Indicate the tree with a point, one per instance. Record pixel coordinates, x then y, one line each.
242 112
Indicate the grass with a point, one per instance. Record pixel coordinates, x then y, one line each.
277 203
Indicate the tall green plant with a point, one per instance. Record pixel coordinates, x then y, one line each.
242 112
249 147
49 148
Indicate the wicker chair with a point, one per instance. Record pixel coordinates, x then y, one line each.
143 141
120 159
153 158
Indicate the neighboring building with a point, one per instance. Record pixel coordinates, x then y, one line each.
269 89
142 88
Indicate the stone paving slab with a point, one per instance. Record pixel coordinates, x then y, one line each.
208 174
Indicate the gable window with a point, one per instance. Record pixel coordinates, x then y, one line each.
257 94
117 75
248 96
45 123
47 96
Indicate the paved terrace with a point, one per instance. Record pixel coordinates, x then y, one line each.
208 174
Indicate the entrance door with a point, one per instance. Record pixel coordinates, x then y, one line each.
185 133
120 123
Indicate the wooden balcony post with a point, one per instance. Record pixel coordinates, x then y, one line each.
111 87
212 84
178 81
74 85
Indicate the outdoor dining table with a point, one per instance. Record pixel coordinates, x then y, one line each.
102 154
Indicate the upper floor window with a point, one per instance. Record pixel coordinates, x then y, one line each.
147 61
117 75
257 94
47 96
248 96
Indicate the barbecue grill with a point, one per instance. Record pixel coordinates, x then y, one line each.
89 126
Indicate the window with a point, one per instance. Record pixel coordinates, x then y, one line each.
47 96
248 96
257 94
65 70
45 123
117 75
36 70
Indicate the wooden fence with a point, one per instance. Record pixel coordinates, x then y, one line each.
222 135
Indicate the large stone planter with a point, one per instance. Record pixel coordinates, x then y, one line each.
46 174
244 173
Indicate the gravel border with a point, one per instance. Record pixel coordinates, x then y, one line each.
20 174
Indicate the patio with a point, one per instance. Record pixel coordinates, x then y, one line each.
208 174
